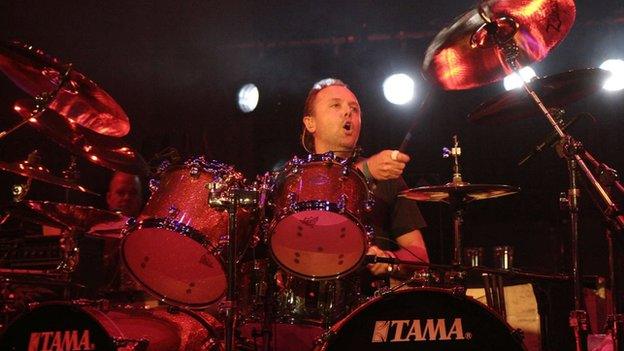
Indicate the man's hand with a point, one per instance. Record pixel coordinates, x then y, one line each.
388 164
378 268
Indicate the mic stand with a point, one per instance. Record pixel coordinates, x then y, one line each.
231 201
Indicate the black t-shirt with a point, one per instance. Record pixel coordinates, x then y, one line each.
392 216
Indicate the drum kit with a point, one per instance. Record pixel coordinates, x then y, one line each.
276 263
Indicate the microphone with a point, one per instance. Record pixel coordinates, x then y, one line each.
379 259
552 138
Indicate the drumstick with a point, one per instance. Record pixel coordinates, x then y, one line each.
408 135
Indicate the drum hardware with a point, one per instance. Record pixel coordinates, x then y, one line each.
231 200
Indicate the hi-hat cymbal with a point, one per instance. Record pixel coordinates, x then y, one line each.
555 91
68 215
463 55
106 151
41 173
460 192
81 100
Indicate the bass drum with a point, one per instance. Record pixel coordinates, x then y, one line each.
70 326
424 319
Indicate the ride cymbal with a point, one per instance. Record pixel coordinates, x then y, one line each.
555 91
465 55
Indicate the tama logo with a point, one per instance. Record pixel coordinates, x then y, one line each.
419 330
68 340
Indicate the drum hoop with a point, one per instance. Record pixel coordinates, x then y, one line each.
338 325
326 158
159 296
328 207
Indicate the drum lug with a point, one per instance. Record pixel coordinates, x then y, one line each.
342 203
370 233
292 201
162 167
154 184
369 204
173 211
131 222
325 337
345 170
458 291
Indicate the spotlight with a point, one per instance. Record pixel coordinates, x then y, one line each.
399 89
514 81
616 81
248 97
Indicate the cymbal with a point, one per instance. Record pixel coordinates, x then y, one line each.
103 150
41 173
462 192
71 216
82 101
464 55
555 91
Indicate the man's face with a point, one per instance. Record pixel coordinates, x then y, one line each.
124 194
335 121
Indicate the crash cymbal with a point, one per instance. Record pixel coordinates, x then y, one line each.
105 151
555 91
462 192
81 100
41 173
71 216
464 55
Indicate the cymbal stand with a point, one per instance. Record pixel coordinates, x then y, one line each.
42 103
71 173
231 201
615 319
508 54
456 203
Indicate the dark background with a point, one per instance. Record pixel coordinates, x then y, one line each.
175 67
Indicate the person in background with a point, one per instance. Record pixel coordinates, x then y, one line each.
125 194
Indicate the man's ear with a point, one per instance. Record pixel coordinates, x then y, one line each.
310 123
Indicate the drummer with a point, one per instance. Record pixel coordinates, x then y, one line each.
332 122
124 194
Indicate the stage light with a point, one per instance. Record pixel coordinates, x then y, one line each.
248 97
514 81
616 81
399 89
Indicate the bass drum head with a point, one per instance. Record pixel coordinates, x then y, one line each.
56 327
425 320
